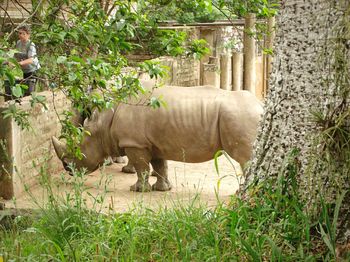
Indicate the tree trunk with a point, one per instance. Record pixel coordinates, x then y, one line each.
307 118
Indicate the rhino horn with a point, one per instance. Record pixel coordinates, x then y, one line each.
60 148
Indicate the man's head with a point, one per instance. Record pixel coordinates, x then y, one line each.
23 32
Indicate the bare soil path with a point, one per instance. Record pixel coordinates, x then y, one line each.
188 180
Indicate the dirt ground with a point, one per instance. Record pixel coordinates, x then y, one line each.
188 180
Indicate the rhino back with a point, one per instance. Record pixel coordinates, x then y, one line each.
187 129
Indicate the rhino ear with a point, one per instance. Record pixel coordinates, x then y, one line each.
60 148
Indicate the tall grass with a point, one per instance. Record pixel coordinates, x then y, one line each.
270 226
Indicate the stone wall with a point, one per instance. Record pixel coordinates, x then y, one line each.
27 151
15 9
182 71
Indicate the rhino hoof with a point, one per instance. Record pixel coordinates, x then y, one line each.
161 186
139 187
128 169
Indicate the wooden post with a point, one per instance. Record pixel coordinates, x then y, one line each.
249 53
225 69
237 71
211 74
209 36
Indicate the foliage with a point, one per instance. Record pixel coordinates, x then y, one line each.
198 48
194 11
271 225
262 8
154 69
73 135
189 11
168 41
184 12
9 70
19 116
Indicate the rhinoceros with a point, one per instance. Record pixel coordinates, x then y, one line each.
195 123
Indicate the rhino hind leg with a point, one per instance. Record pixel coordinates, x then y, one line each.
140 159
160 170
130 169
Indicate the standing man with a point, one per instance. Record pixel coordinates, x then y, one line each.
27 59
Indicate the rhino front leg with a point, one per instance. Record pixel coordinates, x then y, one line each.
140 159
160 170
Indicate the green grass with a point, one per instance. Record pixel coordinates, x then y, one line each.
271 226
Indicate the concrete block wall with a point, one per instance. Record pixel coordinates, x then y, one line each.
28 150
15 9
182 71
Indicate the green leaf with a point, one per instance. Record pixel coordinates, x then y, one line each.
154 102
216 157
327 241
102 83
336 211
10 77
250 250
38 99
268 51
61 59
62 35
72 76
17 90
77 59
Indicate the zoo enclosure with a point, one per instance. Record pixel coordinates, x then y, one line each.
244 67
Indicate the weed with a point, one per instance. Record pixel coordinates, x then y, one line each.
271 225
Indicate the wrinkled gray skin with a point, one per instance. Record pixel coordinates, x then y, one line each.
195 124
78 119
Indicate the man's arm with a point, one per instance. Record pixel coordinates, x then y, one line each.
25 62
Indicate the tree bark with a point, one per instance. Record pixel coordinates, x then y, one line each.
307 117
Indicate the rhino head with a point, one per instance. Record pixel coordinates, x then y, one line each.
89 161
94 154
